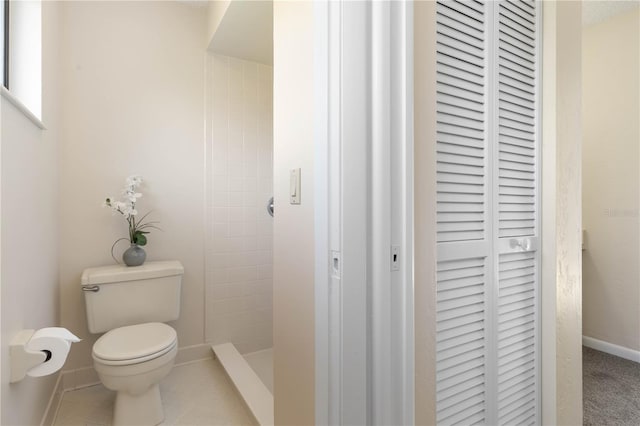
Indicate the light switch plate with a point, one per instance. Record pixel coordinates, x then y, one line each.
294 191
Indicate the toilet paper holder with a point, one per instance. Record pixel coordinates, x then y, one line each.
22 359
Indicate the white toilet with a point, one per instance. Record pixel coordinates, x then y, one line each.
137 351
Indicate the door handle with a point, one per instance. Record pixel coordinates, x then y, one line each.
523 244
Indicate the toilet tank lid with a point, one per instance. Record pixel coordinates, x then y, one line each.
120 273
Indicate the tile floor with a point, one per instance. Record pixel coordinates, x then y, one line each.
262 364
197 393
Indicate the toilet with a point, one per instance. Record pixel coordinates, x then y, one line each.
130 305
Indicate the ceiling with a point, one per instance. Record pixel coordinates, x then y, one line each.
594 11
246 32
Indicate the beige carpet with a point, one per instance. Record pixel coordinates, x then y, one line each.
611 389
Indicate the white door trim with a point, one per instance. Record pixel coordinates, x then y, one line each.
321 202
381 281
392 37
342 134
364 199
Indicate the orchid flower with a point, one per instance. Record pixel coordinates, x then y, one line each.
127 208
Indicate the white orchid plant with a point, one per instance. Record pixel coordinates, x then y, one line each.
138 228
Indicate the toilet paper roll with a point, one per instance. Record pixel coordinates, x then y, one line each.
57 341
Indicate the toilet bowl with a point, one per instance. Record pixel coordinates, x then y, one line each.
132 361
130 305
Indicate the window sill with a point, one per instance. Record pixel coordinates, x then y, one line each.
21 107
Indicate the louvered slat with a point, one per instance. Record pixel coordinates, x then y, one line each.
517 180
517 193
461 211
461 182
516 131
517 328
460 350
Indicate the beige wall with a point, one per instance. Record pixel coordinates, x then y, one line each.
425 209
133 102
293 245
239 258
561 214
29 185
611 180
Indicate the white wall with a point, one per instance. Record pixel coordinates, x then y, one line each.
255 41
29 185
133 102
293 242
611 180
239 285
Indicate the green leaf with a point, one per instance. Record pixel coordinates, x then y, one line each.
139 238
145 226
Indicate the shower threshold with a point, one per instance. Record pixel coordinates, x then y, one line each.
247 381
262 363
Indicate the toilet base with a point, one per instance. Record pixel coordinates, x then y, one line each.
144 409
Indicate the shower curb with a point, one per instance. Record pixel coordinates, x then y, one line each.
255 394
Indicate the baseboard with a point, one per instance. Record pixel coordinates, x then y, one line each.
54 403
87 376
193 353
83 377
610 348
79 378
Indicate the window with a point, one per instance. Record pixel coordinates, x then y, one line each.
22 53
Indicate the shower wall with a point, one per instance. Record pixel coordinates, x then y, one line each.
239 268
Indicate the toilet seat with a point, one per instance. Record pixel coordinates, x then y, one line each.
134 344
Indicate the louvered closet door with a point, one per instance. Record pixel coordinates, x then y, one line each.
463 234
487 209
517 207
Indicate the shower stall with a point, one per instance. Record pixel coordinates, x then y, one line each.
239 185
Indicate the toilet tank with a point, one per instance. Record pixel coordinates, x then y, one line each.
121 295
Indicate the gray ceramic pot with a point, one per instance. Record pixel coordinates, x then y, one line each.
134 255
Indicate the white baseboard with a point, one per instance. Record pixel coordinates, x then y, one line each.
83 377
193 353
54 403
610 348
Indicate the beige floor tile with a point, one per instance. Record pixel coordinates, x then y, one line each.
193 394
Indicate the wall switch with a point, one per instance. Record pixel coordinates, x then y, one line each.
395 258
294 189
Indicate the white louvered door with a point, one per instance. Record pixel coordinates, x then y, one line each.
487 213
517 210
463 220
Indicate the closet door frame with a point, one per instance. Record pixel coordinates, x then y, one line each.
364 214
546 375
550 22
